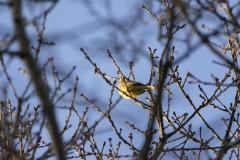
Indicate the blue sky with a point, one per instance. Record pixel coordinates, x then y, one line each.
71 26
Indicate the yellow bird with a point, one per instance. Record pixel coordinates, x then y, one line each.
131 88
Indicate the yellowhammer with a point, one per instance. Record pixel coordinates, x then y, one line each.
131 88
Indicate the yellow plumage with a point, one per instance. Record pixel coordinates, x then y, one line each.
131 88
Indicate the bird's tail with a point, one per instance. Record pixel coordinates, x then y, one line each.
152 87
